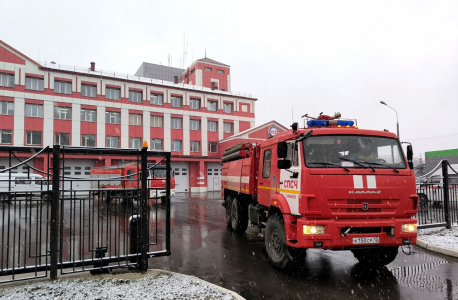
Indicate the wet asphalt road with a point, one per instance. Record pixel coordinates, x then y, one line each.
202 246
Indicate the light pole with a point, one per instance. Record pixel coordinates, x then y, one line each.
397 120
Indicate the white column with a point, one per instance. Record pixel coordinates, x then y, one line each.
220 129
203 131
48 123
76 125
124 128
236 126
167 133
186 142
19 134
147 128
101 140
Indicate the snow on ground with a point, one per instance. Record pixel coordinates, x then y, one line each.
161 287
442 237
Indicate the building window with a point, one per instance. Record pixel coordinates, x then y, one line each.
208 69
195 146
6 108
212 126
62 139
135 143
156 144
177 123
194 104
176 145
212 105
34 83
88 140
88 115
62 87
112 117
33 138
113 141
6 136
62 113
88 90
136 119
176 101
135 96
113 93
194 124
157 121
228 127
157 99
34 110
7 80
219 71
244 108
228 108
213 147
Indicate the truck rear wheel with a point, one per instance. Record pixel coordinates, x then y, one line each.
228 210
239 216
376 256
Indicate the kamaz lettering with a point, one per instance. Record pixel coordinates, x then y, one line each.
364 192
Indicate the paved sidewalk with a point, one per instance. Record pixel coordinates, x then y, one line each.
440 240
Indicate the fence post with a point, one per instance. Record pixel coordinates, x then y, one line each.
143 264
446 194
167 196
54 238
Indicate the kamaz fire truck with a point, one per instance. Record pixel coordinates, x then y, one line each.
117 180
330 186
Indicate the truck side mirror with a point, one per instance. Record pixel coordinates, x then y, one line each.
282 150
294 126
284 164
410 156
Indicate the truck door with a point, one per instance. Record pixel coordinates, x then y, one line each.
266 184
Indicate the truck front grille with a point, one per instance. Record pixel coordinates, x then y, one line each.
352 207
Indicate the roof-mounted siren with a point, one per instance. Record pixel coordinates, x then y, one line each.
327 121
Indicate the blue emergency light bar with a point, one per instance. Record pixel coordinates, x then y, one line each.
320 123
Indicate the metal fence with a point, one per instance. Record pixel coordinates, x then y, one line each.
65 224
438 193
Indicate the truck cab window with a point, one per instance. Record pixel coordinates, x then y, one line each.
293 154
266 164
130 174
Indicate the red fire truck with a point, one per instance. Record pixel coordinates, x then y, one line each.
329 186
126 177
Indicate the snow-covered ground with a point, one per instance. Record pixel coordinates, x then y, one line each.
163 286
442 237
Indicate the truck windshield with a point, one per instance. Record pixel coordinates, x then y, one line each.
353 151
158 173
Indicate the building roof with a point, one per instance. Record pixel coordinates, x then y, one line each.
254 129
450 152
211 61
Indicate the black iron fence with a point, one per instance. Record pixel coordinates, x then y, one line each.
76 222
438 193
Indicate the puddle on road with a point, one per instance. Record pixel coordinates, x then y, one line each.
417 277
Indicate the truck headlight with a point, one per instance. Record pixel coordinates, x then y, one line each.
313 229
409 227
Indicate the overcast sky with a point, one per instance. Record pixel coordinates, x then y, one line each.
300 56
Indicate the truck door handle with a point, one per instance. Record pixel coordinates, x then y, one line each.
261 183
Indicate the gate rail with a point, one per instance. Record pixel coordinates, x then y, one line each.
60 227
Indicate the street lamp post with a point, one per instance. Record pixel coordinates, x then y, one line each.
397 120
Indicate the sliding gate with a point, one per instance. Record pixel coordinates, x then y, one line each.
74 222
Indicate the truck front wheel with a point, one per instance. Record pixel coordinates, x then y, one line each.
239 216
376 256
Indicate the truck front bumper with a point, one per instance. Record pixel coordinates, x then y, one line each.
388 231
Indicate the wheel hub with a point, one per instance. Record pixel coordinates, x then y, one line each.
276 243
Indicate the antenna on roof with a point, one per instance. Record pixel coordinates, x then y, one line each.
205 52
292 113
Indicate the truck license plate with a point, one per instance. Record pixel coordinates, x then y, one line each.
366 240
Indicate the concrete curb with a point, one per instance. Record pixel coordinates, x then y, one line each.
438 249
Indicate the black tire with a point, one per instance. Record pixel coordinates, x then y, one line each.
228 211
45 197
423 199
376 256
275 240
239 216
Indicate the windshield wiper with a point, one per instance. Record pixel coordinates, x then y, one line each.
330 164
379 164
358 163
